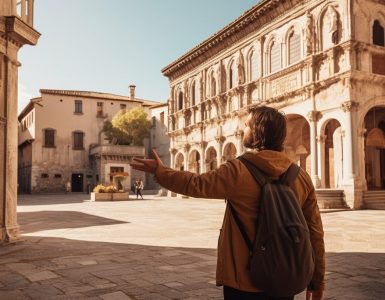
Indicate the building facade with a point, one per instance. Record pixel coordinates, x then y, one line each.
322 63
16 30
61 141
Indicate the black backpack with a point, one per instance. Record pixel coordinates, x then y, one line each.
281 256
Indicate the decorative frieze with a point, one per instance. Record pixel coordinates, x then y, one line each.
284 85
349 106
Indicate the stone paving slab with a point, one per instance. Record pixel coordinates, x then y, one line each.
161 249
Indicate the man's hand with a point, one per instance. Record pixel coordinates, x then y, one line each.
147 165
315 295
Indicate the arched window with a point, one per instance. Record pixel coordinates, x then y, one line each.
253 66
180 100
294 48
231 76
378 34
213 86
275 57
193 94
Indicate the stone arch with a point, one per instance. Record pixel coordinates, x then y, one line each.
329 26
332 168
374 122
179 161
194 161
297 144
229 151
211 159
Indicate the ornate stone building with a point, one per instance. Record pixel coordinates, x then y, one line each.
16 30
61 140
322 63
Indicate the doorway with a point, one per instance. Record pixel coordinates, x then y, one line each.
77 183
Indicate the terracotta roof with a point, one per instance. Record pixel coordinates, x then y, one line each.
98 95
28 108
159 105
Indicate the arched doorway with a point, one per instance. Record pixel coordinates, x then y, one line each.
297 144
194 162
333 155
375 148
229 152
211 159
179 162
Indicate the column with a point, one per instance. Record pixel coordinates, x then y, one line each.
173 151
313 117
321 160
203 145
348 163
239 136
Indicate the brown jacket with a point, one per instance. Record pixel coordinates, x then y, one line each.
233 181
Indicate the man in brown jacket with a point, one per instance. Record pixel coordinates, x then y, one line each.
264 135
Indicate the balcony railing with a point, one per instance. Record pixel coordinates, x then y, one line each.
24 10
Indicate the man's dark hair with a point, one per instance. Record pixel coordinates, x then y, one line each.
268 127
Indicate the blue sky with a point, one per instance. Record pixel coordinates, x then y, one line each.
105 45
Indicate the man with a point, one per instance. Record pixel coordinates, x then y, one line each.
264 134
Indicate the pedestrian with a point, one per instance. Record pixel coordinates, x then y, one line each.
68 187
264 135
139 187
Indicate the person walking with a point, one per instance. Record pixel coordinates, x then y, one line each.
139 187
264 136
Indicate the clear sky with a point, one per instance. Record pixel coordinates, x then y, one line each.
105 45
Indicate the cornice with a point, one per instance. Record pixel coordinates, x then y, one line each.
249 22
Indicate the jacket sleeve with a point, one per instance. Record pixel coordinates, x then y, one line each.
216 184
314 222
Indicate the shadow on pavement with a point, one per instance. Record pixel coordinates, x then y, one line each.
49 220
47 199
57 268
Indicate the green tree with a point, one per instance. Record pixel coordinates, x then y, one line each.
128 127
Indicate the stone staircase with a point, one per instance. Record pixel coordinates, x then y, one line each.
331 199
374 199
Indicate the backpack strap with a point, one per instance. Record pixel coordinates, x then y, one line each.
260 177
241 227
290 175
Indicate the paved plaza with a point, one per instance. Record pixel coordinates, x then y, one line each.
161 248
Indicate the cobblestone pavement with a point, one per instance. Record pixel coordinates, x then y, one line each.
161 248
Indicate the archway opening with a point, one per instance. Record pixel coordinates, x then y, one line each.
229 152
297 144
333 155
375 148
194 162
179 162
211 159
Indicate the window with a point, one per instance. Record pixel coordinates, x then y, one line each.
49 138
180 100
78 106
99 111
78 140
294 48
231 77
253 74
57 176
193 94
162 118
275 57
378 34
123 106
153 122
44 175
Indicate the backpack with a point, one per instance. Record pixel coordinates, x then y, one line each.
281 256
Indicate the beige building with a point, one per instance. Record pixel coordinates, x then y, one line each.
16 30
61 141
322 63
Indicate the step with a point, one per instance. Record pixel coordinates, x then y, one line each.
330 199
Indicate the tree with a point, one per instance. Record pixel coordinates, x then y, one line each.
128 127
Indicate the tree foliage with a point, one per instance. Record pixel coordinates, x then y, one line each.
128 127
